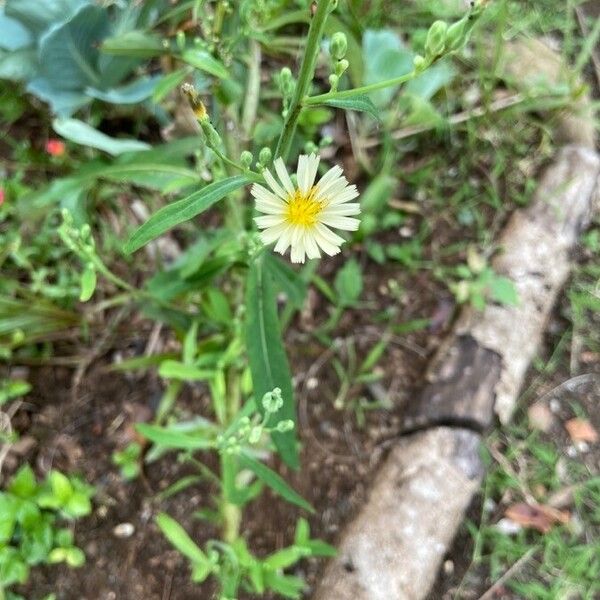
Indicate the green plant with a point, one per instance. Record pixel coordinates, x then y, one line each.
29 524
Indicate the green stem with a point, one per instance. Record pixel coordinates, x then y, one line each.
359 91
252 89
305 77
231 512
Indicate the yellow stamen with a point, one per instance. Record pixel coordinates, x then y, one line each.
303 209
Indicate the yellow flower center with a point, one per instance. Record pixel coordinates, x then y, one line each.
303 209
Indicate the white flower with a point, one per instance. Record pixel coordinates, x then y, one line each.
300 217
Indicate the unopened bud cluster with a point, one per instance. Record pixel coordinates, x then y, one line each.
338 46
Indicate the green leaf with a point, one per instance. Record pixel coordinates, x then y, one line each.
274 481
266 354
87 283
13 35
282 559
286 585
503 290
172 438
79 132
68 53
18 65
132 93
287 279
168 83
183 210
204 61
38 16
348 283
177 535
8 517
75 557
358 103
13 388
23 484
140 44
78 505
173 369
61 486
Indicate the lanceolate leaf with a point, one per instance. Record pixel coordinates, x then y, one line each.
266 354
359 103
274 481
177 535
204 61
183 210
174 439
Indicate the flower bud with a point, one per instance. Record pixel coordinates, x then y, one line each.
333 81
286 82
246 159
457 35
265 155
419 63
284 426
255 434
338 45
341 67
436 38
272 401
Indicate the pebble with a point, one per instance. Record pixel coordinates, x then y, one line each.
508 527
312 383
124 530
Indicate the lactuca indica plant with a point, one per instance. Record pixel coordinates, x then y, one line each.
221 295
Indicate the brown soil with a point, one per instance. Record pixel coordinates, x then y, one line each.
78 432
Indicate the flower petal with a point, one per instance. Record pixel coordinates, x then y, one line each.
345 209
283 176
269 221
339 222
274 185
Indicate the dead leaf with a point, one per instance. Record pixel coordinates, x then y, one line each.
539 517
581 430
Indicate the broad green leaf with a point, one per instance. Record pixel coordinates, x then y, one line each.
81 133
204 61
385 57
13 35
266 354
18 65
288 586
274 481
23 484
360 103
39 15
172 438
62 102
177 535
173 369
141 44
68 53
132 93
183 210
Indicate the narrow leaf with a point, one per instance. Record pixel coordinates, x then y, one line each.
204 61
359 103
81 133
177 535
274 481
183 210
266 354
173 439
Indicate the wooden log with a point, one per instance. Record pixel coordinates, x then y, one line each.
394 547
388 551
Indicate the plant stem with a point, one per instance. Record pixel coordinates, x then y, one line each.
305 77
359 91
252 89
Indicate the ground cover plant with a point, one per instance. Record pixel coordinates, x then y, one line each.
222 228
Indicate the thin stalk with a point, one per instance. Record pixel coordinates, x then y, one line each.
252 89
359 91
231 512
305 77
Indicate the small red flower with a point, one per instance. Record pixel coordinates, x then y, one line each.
1 196
55 147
